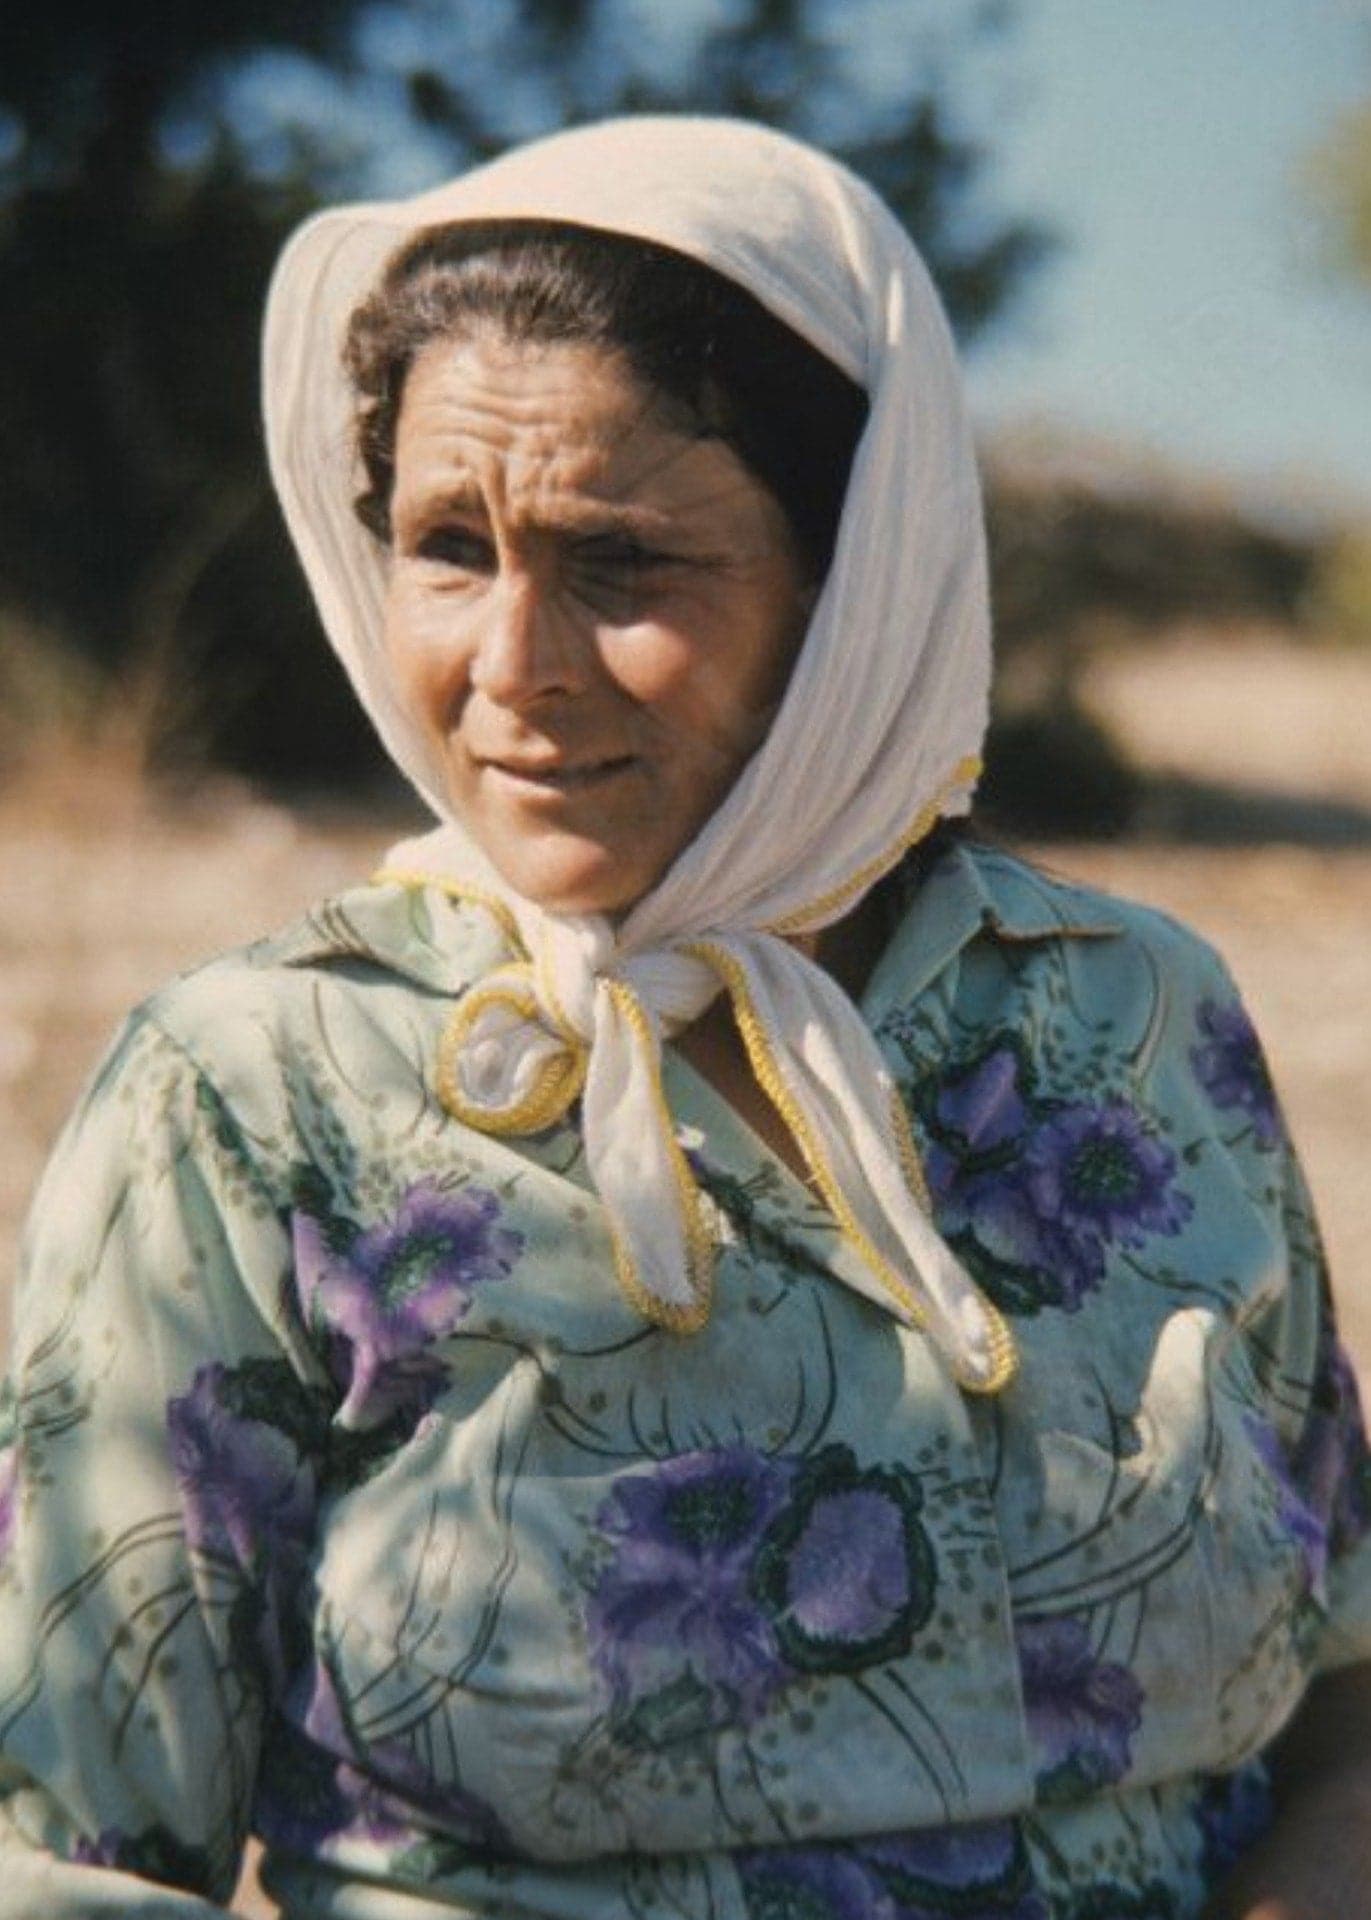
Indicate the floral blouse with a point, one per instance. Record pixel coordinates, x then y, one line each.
345 1500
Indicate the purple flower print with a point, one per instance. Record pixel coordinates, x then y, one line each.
1098 1173
1233 1811
386 1294
733 1572
810 1883
306 1799
980 1871
673 1616
846 1572
307 1793
1021 1259
245 1489
984 1107
248 1496
317 1786
979 1123
1306 1525
387 1780
977 1872
1034 1191
980 1119
1082 1711
1231 1067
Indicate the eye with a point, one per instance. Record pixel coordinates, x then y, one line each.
461 547
618 556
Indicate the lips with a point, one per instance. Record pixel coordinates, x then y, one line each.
558 776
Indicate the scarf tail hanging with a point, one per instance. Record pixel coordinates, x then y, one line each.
856 1141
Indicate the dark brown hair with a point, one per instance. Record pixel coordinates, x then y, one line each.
704 350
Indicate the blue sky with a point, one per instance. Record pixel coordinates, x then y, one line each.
1190 311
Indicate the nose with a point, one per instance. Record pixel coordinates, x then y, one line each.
527 650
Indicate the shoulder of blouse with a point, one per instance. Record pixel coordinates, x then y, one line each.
388 931
976 895
1011 898
234 1018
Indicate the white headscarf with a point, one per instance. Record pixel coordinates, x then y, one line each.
877 735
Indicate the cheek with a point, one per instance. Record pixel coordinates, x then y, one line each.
688 693
425 650
653 662
726 677
710 650
708 705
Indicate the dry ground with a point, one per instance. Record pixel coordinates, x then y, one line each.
101 898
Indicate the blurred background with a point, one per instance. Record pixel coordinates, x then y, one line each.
1152 228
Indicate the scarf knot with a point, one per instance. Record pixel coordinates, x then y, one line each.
571 1016
515 1054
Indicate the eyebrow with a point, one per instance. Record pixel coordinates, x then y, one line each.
589 517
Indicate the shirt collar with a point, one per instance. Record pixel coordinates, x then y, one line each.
417 930
976 892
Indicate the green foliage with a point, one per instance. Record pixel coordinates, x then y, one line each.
1054 770
1339 606
140 214
1078 569
48 693
1070 559
1341 181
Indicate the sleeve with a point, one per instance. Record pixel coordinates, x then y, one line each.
157 1498
1312 1434
1330 1465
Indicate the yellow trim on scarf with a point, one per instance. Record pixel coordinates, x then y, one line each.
1004 1353
556 1086
767 1072
923 822
561 1081
677 1318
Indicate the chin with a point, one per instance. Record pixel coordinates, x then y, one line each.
572 879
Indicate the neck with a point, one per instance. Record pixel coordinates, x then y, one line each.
850 948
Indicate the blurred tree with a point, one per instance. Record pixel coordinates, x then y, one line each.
130 290
151 159
1339 189
1341 176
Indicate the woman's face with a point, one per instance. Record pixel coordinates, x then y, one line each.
591 614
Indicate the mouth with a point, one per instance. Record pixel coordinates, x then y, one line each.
558 777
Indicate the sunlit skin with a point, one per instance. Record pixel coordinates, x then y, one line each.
591 612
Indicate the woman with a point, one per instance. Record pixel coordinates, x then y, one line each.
528 1396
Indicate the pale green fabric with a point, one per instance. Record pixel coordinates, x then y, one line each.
347 1498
